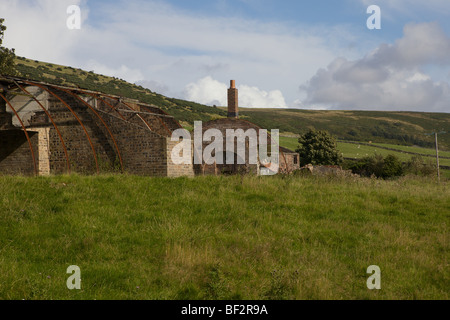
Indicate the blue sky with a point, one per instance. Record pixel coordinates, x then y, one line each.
302 54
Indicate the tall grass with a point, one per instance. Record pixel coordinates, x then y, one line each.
223 237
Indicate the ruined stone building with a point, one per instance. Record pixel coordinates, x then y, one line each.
49 129
288 159
52 129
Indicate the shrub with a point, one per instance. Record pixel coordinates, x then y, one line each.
417 166
377 165
392 167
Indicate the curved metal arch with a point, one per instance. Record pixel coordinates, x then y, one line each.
25 131
106 102
112 107
101 119
51 119
122 102
118 100
125 104
74 114
176 121
162 122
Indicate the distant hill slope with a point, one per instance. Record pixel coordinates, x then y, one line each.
406 128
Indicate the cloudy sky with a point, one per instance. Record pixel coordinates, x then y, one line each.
286 53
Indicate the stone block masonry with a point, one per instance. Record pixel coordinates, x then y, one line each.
109 135
15 155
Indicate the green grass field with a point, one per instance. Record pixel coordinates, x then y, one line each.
359 151
223 237
420 150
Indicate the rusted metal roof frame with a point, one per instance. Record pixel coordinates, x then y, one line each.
51 119
75 115
104 123
25 131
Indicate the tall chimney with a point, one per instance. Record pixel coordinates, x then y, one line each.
233 101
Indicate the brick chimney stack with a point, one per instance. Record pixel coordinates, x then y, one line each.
233 101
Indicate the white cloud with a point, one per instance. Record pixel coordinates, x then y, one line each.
253 97
421 44
207 91
212 92
389 78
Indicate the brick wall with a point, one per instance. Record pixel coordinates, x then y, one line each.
15 154
233 101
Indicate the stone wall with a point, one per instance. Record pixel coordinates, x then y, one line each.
44 150
15 153
177 170
289 161
5 117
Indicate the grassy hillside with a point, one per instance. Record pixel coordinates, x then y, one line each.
405 128
223 237
56 74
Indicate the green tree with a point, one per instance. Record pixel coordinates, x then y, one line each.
318 148
392 167
7 56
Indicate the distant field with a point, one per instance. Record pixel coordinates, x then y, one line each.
359 151
289 142
223 237
355 151
428 151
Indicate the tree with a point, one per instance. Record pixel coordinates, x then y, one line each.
318 148
392 167
7 56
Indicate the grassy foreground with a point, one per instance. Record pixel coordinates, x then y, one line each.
223 237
